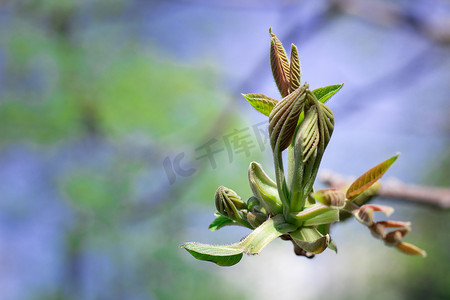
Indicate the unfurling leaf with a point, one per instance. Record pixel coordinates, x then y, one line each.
279 64
369 178
311 139
325 93
261 103
222 255
264 188
294 70
284 117
220 222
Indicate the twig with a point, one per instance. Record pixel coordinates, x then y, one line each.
394 188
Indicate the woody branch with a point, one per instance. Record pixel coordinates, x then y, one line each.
394 188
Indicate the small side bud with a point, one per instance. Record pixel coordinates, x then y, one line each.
378 230
364 215
331 197
394 238
228 203
252 203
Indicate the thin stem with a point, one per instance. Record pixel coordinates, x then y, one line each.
281 181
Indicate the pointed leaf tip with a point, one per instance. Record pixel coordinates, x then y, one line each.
294 70
280 65
370 177
261 103
221 255
220 222
411 249
324 93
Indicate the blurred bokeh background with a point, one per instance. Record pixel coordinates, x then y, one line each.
119 120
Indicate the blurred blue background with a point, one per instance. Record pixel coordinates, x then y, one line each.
119 120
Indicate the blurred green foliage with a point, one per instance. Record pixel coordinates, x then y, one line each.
63 86
68 84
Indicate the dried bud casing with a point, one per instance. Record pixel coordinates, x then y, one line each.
378 230
410 249
394 238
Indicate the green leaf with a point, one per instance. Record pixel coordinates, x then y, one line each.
264 188
325 93
220 222
261 103
232 254
221 255
325 229
370 177
310 239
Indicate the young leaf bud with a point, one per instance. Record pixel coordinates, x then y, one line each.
280 65
284 117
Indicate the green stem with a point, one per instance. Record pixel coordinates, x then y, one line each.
281 181
262 235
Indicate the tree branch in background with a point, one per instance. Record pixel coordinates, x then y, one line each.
394 188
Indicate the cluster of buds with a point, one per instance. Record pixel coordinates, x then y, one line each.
394 237
289 207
